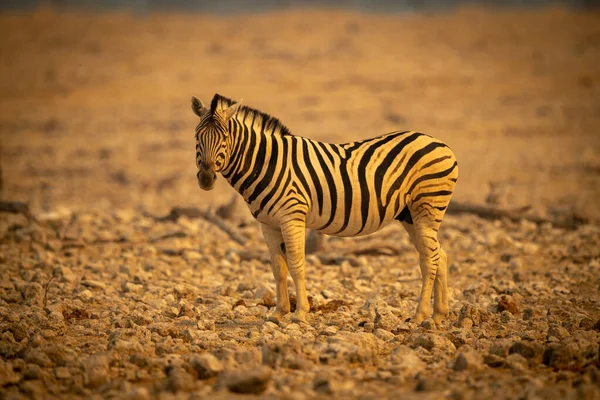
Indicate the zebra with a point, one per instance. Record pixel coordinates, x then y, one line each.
291 183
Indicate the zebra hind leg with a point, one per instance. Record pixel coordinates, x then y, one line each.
279 267
432 261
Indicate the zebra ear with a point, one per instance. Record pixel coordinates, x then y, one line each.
197 106
230 112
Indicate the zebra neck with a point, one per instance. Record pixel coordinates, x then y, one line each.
248 155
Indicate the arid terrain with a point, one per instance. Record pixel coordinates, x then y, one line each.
105 296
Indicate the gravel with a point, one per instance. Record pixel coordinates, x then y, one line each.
123 318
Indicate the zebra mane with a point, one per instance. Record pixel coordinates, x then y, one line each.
270 123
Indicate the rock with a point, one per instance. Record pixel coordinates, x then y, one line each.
517 362
557 332
384 335
265 295
33 294
179 380
32 372
474 313
60 355
430 341
380 313
528 314
506 317
350 347
465 323
506 303
92 284
247 381
38 357
329 331
328 384
285 355
62 373
500 348
7 374
85 295
206 365
96 369
493 360
405 363
526 349
472 361
573 353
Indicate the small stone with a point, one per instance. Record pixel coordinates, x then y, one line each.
32 372
384 335
96 370
493 360
517 362
526 349
573 352
62 373
428 324
506 316
528 314
247 381
405 362
85 295
8 375
91 284
430 341
506 303
206 365
474 313
179 380
327 384
329 331
471 361
500 348
465 323
384 318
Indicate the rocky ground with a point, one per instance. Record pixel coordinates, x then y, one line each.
103 298
123 306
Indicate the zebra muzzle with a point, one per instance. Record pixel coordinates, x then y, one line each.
206 179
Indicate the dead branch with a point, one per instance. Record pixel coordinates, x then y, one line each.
514 214
17 207
192 212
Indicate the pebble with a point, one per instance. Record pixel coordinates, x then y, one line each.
472 361
430 341
245 381
206 365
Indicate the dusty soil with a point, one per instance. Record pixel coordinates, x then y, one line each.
102 299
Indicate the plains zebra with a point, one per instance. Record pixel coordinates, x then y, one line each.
291 182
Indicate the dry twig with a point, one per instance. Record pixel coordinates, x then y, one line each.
515 214
17 207
192 212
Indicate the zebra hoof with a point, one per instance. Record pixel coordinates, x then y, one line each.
440 320
299 317
276 317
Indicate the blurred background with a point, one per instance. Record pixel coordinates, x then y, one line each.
95 95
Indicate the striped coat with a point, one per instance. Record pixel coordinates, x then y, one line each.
291 183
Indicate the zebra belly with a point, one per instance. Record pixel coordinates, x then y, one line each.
354 225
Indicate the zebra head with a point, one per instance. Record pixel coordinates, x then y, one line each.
212 150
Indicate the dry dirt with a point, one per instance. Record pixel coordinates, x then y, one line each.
101 299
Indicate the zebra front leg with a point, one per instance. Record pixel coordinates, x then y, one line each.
294 232
279 267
